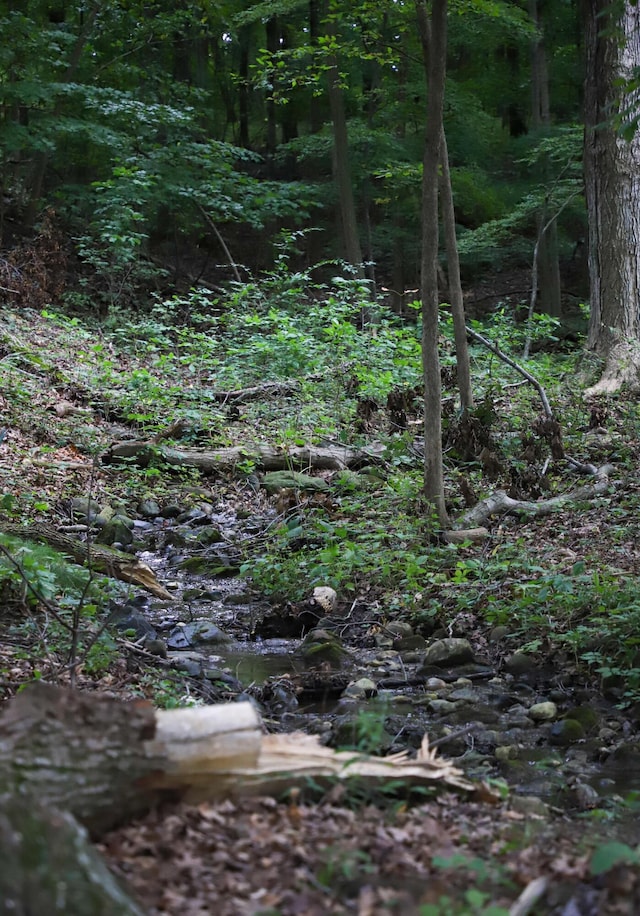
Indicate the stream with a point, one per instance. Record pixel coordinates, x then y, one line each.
357 680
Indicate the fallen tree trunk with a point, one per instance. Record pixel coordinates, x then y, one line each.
264 457
105 761
67 757
98 557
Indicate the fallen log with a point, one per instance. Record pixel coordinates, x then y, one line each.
105 761
263 457
71 761
102 559
500 503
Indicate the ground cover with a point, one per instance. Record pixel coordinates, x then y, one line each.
548 604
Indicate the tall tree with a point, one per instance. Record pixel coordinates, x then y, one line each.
548 266
612 181
434 45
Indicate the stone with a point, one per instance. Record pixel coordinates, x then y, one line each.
363 689
442 707
446 653
170 511
149 508
200 631
273 481
83 509
116 531
543 712
565 732
399 628
499 634
520 663
529 805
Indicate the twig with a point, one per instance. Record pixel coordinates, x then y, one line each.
222 242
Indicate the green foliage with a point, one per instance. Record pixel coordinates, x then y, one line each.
609 855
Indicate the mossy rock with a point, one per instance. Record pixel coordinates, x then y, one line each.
273 481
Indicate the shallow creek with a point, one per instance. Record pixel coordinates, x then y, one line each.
366 684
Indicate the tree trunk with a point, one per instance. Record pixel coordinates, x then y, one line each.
341 165
434 47
612 183
548 266
463 367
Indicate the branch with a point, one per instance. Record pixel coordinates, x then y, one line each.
514 365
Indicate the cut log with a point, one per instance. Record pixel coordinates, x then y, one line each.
105 761
102 559
263 457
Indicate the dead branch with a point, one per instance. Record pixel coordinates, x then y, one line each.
106 560
502 504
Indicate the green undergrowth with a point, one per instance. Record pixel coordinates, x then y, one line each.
343 359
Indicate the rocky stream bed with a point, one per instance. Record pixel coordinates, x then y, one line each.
359 678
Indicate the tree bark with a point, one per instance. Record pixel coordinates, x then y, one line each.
434 48
463 368
612 183
547 263
264 457
341 164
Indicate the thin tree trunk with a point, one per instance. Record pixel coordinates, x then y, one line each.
342 169
434 44
547 263
463 367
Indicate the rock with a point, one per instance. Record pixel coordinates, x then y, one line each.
208 536
565 732
585 715
399 628
506 752
193 517
116 531
436 683
362 689
127 618
499 634
441 707
464 694
322 647
170 511
326 597
530 805
148 508
413 643
447 653
543 712
83 509
155 647
273 481
220 676
520 663
191 634
190 666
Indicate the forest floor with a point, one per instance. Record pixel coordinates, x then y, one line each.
348 851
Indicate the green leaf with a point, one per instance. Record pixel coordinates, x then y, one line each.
611 854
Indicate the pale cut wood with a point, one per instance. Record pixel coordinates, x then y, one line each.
197 743
215 751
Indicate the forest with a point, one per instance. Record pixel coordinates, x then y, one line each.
319 448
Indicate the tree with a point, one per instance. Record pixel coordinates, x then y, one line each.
612 181
434 44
